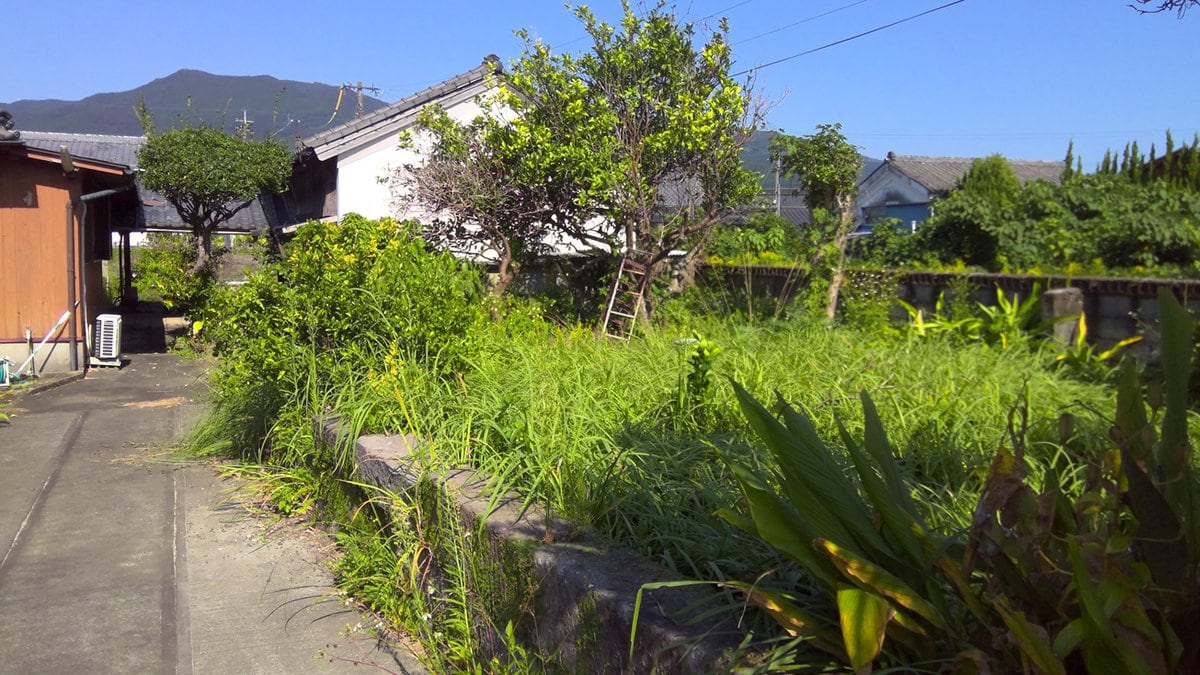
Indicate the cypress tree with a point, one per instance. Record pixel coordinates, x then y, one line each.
1069 162
1171 161
1152 171
1135 163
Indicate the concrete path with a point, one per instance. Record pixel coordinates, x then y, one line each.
115 559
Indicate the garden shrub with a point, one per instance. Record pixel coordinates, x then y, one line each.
160 270
344 295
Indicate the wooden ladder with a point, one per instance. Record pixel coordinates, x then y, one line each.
625 298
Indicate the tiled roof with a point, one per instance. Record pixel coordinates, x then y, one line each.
153 210
941 174
111 149
324 141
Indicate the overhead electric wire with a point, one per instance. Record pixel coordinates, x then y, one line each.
852 37
801 21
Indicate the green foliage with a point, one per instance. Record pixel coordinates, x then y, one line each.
645 127
1010 322
828 166
763 239
478 180
965 224
824 162
345 294
1086 361
162 268
208 175
1102 577
1132 216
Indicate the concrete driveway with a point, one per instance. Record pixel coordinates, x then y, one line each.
115 559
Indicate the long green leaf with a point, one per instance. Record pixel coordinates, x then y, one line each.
871 577
864 619
1136 434
1031 639
851 511
1159 537
876 442
784 527
811 478
900 525
1174 456
791 618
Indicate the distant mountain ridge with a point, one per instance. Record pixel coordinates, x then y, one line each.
283 108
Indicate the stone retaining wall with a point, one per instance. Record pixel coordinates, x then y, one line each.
585 594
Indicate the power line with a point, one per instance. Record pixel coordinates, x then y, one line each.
852 37
801 21
722 11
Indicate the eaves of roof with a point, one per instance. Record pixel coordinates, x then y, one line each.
112 150
332 142
55 157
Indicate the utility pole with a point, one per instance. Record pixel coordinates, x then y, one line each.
244 125
358 88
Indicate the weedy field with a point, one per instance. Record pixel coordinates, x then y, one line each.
922 449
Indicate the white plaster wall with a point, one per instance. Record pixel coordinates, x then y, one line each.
365 175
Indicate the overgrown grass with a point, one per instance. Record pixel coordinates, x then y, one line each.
594 430
624 437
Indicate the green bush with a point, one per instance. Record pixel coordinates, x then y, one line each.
161 270
763 239
343 297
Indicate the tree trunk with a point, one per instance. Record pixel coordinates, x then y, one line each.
504 276
203 252
843 237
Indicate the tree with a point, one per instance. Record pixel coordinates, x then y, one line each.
645 129
965 224
828 166
482 196
208 176
1180 7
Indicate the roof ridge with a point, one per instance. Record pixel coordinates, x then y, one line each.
971 159
491 65
78 134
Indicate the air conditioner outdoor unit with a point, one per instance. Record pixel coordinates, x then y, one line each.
106 341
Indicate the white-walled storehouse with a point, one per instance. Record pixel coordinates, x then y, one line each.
350 168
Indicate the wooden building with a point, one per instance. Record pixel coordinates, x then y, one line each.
56 218
64 198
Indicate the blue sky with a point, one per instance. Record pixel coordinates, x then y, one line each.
1018 77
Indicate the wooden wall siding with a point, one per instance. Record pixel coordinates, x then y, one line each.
33 258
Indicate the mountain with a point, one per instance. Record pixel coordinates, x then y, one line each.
216 100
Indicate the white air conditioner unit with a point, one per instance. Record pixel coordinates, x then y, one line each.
106 341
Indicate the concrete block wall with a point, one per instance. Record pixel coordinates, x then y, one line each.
1115 308
585 593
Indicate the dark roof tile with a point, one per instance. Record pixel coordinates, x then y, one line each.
941 174
491 65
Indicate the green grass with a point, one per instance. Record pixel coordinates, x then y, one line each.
625 437
593 429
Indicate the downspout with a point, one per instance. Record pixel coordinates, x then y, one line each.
72 335
71 247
